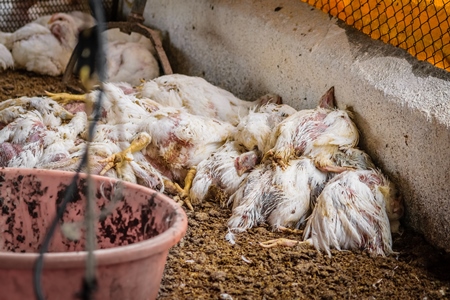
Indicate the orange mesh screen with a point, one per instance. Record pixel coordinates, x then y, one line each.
418 26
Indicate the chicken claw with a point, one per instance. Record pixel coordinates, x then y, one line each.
65 98
283 241
279 242
325 164
183 193
118 160
188 181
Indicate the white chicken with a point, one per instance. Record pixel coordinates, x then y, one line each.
130 62
316 132
25 115
131 57
223 171
199 97
301 185
82 20
39 133
355 211
348 159
254 129
26 135
115 35
51 112
62 37
42 49
6 59
135 168
281 196
59 140
21 141
120 106
179 140
249 198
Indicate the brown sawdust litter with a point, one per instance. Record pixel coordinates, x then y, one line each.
204 265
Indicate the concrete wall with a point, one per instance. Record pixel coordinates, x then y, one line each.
402 106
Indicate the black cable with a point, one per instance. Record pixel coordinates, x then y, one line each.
87 287
68 196
99 14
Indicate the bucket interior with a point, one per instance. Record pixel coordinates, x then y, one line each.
125 213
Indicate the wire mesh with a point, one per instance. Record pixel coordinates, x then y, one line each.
16 13
418 26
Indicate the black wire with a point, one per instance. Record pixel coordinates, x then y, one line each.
68 196
99 14
88 287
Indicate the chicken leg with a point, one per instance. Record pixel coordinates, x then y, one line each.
183 193
119 159
279 242
283 241
66 98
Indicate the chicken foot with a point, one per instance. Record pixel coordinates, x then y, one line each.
66 98
324 162
118 160
283 241
183 193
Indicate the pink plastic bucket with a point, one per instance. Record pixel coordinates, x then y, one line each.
133 239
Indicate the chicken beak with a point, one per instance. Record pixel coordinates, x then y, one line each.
51 20
240 171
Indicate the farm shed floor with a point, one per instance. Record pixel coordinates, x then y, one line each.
206 266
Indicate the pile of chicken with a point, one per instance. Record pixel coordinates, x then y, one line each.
45 45
192 140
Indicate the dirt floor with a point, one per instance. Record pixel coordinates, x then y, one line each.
15 84
204 265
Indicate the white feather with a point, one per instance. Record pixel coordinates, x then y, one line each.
197 96
351 214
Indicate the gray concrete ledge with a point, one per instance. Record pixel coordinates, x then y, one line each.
402 106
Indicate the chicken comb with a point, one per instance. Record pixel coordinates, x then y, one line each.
328 100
